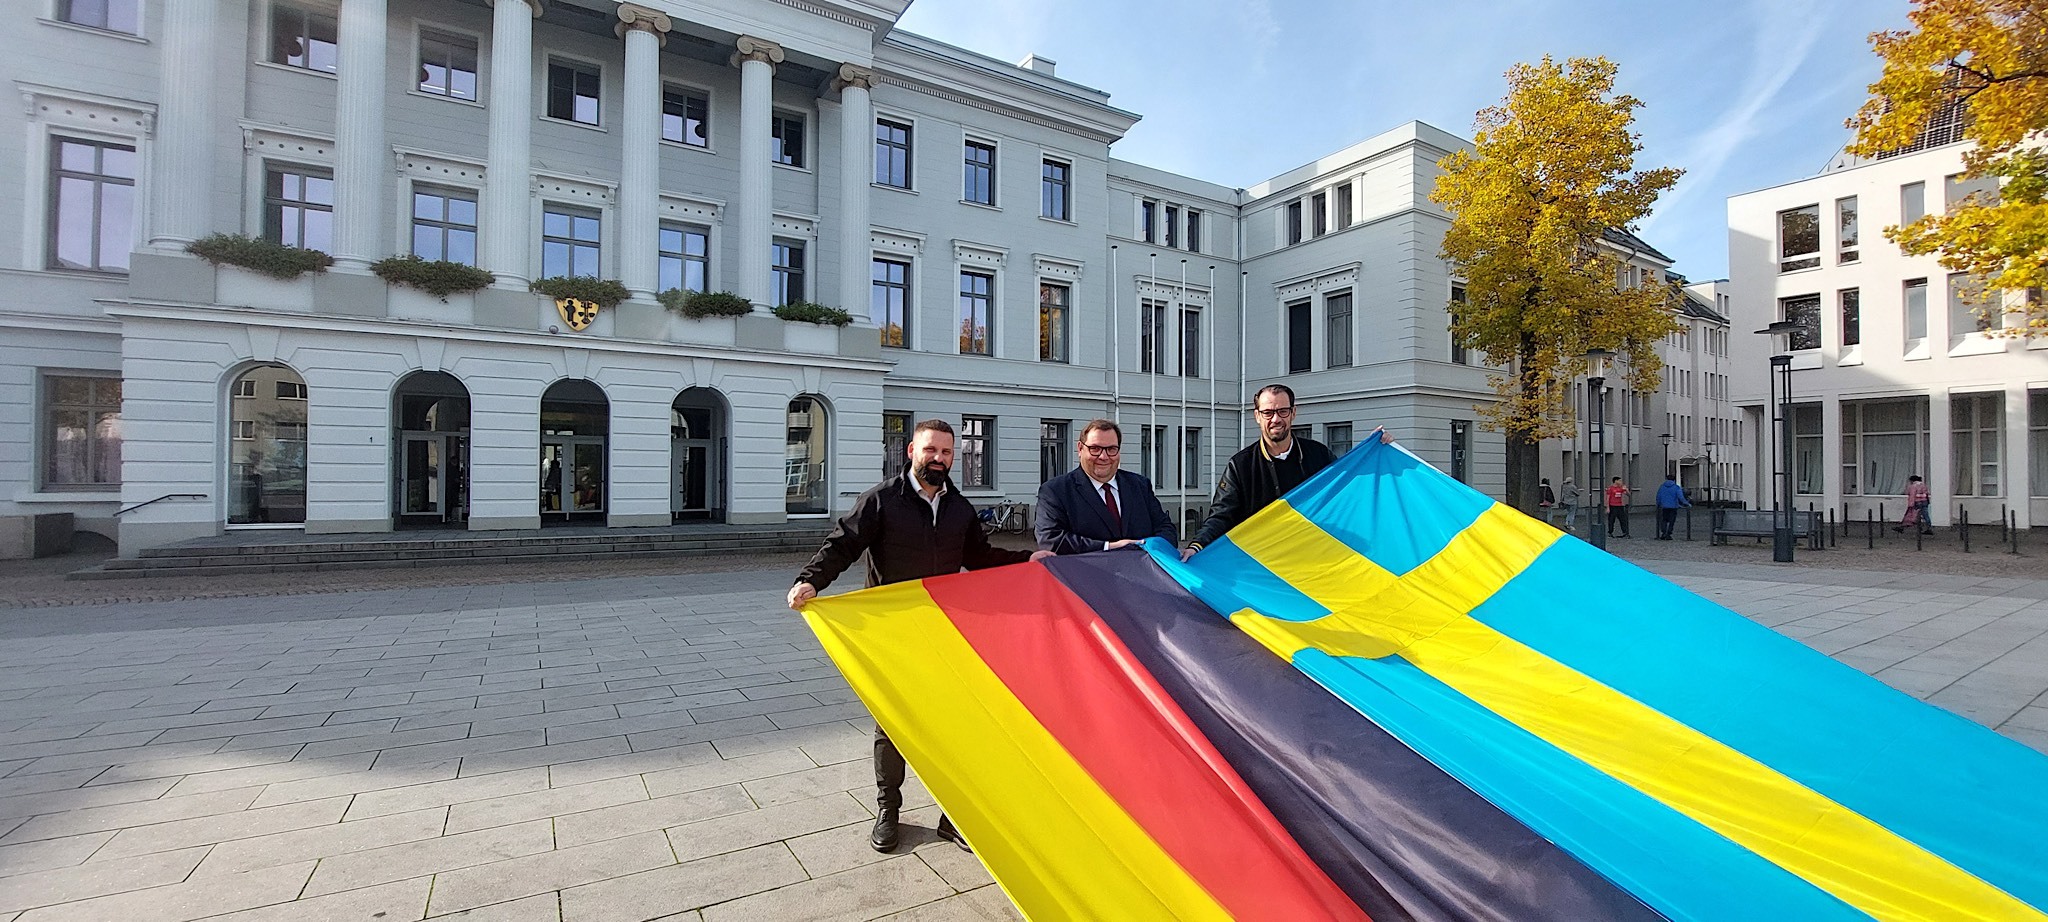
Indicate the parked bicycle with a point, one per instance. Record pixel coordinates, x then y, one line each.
1004 516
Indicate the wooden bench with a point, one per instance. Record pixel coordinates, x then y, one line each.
1760 523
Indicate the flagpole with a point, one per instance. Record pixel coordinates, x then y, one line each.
1212 375
1152 428
1183 485
1243 399
1116 375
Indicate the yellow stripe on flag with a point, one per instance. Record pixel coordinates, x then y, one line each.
1023 800
1424 617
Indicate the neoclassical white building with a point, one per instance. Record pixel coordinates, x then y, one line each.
1003 270
1893 372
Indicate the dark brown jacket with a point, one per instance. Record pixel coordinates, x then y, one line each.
895 526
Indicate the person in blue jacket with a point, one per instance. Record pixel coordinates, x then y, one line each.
1670 498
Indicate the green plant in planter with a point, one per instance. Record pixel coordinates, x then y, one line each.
705 303
605 293
260 256
813 312
437 277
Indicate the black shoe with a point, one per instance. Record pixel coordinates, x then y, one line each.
1901 529
950 834
883 838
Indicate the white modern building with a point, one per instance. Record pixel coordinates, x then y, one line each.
1003 271
1893 371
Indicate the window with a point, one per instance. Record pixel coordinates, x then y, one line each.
291 389
244 388
444 224
685 116
683 260
892 153
1293 222
81 444
1298 337
977 452
1338 437
1852 316
1805 311
1915 301
1172 225
291 432
244 430
1055 190
1964 315
572 92
569 240
1054 457
979 183
1194 231
111 15
1344 206
1806 439
1190 341
1956 190
267 448
895 443
302 38
1337 327
1883 442
806 456
1845 230
2037 437
977 298
1153 439
1052 321
1912 202
787 133
786 275
1799 238
92 205
1151 336
447 65
1459 354
1461 450
1145 219
889 301
298 207
1319 213
1976 422
1190 457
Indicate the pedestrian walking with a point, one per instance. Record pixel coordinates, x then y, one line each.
1617 506
1670 499
1569 499
1918 501
1546 499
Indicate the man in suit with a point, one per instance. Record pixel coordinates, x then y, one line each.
1095 506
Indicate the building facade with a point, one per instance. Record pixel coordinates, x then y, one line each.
1003 271
1894 374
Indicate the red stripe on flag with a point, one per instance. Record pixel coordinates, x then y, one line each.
1070 670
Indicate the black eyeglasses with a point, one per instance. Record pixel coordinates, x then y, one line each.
1102 451
1276 413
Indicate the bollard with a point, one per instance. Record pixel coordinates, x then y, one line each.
1963 524
1880 513
2013 529
1688 523
1919 539
1869 529
2003 535
1833 540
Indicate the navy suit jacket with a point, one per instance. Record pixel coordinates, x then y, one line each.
1072 519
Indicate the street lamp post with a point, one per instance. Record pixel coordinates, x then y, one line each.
1666 439
1596 382
1713 475
1781 403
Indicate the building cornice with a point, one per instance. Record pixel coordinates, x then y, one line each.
933 69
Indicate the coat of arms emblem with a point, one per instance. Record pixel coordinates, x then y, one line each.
576 312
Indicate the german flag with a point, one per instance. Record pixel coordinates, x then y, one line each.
1387 696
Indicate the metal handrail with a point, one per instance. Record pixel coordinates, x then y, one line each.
125 511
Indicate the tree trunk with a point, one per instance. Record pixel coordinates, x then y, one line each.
1525 454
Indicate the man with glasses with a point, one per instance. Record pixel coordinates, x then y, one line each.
1264 470
1095 506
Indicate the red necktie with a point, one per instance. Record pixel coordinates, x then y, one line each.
1116 517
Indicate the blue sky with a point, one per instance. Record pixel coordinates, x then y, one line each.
1741 94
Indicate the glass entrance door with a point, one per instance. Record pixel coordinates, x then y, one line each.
433 488
572 481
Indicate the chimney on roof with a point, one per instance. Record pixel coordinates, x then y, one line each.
1038 65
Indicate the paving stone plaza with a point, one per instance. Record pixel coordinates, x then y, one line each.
481 745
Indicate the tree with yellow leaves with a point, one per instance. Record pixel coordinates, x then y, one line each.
1552 169
1991 58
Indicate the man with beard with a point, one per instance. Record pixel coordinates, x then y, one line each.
911 526
1264 470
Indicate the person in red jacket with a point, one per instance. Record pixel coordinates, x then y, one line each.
1617 506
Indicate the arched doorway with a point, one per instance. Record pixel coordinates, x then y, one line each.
696 430
575 426
430 443
267 448
806 458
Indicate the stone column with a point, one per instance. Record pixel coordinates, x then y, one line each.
752 213
645 31
361 160
856 171
181 159
508 179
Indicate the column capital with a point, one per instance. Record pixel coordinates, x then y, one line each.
536 7
633 17
756 49
853 75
